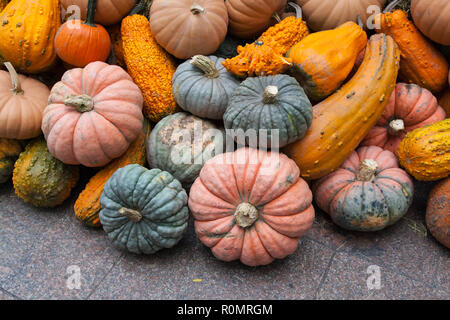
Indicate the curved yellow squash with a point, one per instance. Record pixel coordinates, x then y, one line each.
27 32
425 152
342 120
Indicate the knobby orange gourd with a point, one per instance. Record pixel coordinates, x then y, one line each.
150 67
341 121
420 62
266 56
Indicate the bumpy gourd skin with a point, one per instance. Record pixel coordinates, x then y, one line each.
425 152
40 179
27 32
9 152
87 206
157 197
150 67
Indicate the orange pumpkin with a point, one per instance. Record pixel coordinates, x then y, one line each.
248 18
438 212
80 43
251 205
189 27
21 105
409 107
93 116
432 18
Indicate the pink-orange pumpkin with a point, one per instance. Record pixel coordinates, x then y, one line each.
93 116
409 107
367 193
251 205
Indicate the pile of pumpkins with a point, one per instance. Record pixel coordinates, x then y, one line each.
150 91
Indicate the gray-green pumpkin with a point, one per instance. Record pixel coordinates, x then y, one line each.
181 143
273 107
203 86
143 211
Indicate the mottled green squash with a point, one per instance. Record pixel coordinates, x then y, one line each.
9 152
144 211
40 179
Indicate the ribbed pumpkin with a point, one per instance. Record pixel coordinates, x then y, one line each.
79 43
328 14
432 18
425 152
315 62
189 27
274 110
22 103
266 56
40 179
342 121
410 107
27 32
248 18
144 211
251 205
421 63
203 86
367 193
181 143
150 67
93 116
87 206
108 11
438 212
9 152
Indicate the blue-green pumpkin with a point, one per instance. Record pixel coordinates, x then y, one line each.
276 108
203 86
143 211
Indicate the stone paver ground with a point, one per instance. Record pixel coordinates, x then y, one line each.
38 246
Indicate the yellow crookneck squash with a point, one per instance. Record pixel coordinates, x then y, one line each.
87 206
27 33
323 60
342 121
425 152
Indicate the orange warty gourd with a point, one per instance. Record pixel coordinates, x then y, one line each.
22 102
186 28
410 107
251 205
87 206
150 66
315 62
93 116
84 43
266 55
421 63
438 212
27 33
425 152
342 121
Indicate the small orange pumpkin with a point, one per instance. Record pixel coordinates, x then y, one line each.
251 205
80 43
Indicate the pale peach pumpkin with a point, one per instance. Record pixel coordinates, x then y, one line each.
251 205
93 116
22 102
409 107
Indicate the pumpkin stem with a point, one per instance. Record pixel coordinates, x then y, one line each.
16 87
90 15
197 9
131 214
360 22
396 127
298 10
270 94
83 103
245 215
206 65
367 169
277 17
391 6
